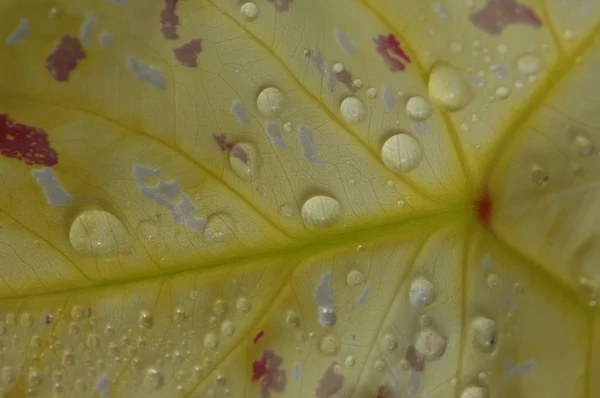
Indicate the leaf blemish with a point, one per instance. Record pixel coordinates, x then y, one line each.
388 46
169 20
27 143
267 372
498 14
63 59
330 383
187 53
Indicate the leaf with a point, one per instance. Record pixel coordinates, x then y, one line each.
286 198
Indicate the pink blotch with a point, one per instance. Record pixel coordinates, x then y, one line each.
387 46
63 59
169 20
498 14
187 53
330 383
281 5
266 371
27 143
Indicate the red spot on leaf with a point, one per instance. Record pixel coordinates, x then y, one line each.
169 20
414 359
498 14
330 383
258 336
27 143
281 5
387 46
483 207
222 142
63 59
187 53
266 371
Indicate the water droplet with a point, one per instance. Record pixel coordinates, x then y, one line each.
145 320
418 108
109 330
502 92
379 365
244 160
421 293
292 320
76 312
321 212
26 320
271 101
286 211
474 392
242 305
98 233
455 47
353 111
220 307
355 278
329 345
483 334
148 229
372 92
179 314
288 127
227 328
153 379
249 11
401 153
7 375
68 358
529 64
219 227
584 146
448 88
430 345
539 175
492 280
357 83
327 317
210 341
349 361
389 342
34 377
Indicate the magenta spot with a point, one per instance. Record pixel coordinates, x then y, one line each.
498 14
266 371
63 59
388 46
281 5
330 383
169 20
27 143
187 53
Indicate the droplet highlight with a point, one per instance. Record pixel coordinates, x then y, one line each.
483 334
320 212
448 88
529 64
97 233
271 102
418 108
244 160
430 345
421 293
401 153
249 11
219 227
353 110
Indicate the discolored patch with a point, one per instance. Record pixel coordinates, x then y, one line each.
63 59
267 372
169 20
27 143
498 14
330 383
387 47
187 53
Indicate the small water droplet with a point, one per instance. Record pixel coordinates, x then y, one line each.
271 102
153 379
421 293
220 307
349 361
401 153
379 365
327 317
539 175
321 212
98 233
357 83
430 345
210 341
418 108
244 160
219 227
400 204
242 305
145 320
227 328
474 392
329 345
292 320
109 330
286 211
372 92
288 127
529 64
483 334
249 11
179 314
148 229
502 92
492 280
353 111
355 278
389 342
448 88
584 146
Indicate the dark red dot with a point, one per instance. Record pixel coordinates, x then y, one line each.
483 207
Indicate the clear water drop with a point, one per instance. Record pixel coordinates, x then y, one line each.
98 233
430 345
242 305
349 361
584 146
329 345
249 11
145 320
220 307
271 101
389 342
244 160
474 392
418 108
421 293
219 227
502 92
327 317
292 320
211 341
529 64
353 110
483 334
321 211
153 380
539 175
147 229
179 314
401 153
355 278
227 328
448 88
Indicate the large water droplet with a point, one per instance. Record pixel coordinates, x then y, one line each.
401 153
353 110
502 92
327 317
153 379
474 392
430 345
329 345
418 108
529 64
421 293
448 88
244 160
321 212
483 334
98 233
249 11
271 101
219 227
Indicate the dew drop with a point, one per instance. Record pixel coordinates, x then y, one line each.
242 305
271 102
493 280
249 11
529 64
288 127
210 341
179 314
539 175
153 379
327 317
98 233
421 293
430 345
220 307
227 328
292 320
372 92
349 361
355 278
145 320
401 153
584 146
320 212
244 160
329 345
483 334
353 111
147 229
219 227
502 92
389 342
418 108
33 377
109 330
379 365
474 392
448 88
